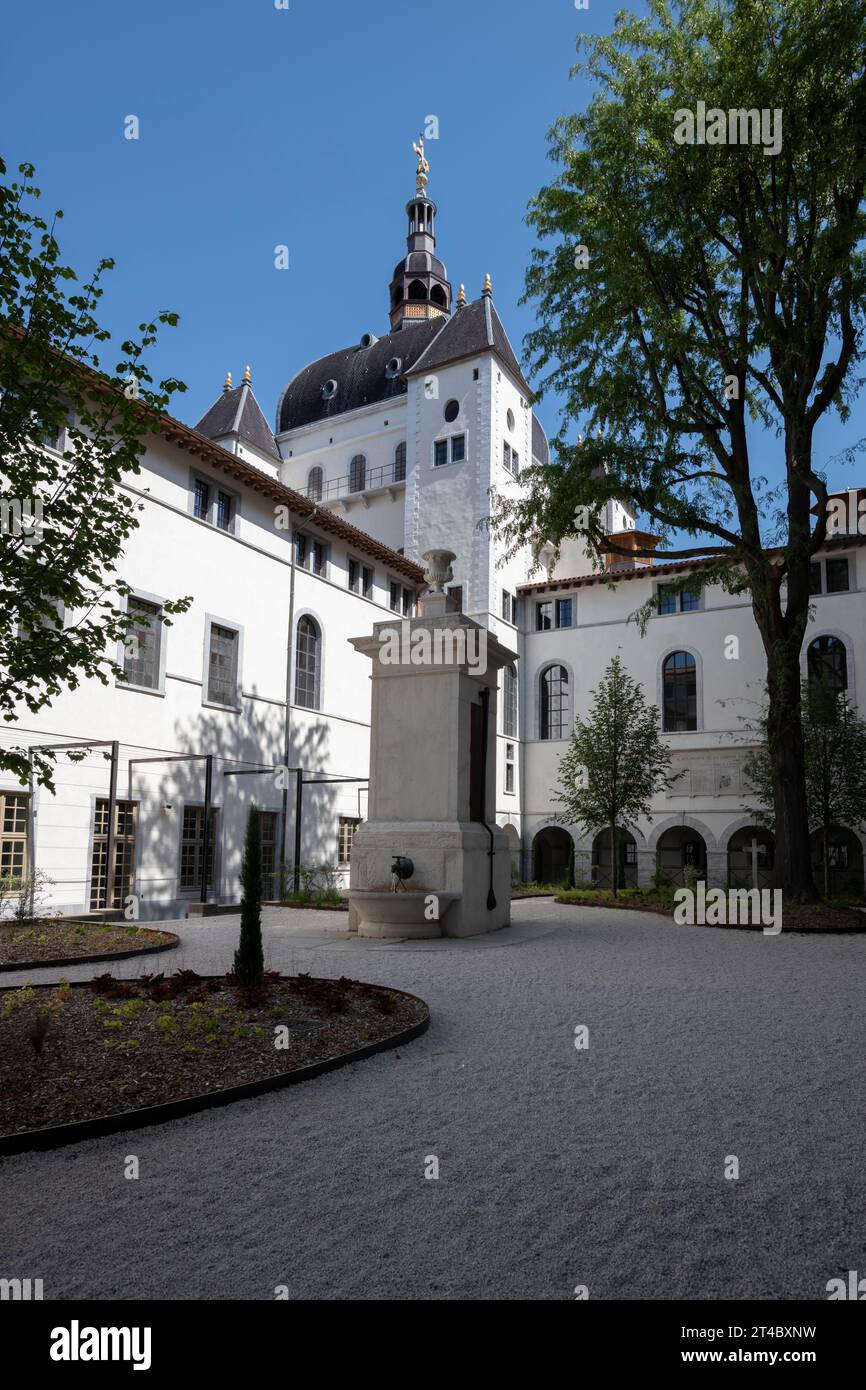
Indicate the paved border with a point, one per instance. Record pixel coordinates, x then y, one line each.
56 1136
718 926
12 967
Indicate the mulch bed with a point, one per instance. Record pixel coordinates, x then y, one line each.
796 917
61 942
72 1053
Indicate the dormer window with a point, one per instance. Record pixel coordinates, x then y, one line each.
329 390
393 368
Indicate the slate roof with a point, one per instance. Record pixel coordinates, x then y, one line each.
238 412
472 329
360 374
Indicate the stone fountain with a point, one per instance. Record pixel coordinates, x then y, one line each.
432 776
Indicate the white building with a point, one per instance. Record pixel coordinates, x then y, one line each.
293 541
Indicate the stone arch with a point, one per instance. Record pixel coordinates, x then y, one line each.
691 822
602 872
551 845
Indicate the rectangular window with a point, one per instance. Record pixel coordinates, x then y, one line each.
815 585
13 840
223 666
201 500
317 557
301 550
544 616
269 821
458 448
510 459
690 602
837 576
126 816
346 834
509 606
509 768
563 612
456 592
367 581
142 647
408 602
224 511
440 453
192 846
354 576
394 590
667 600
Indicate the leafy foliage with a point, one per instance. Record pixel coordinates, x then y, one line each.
71 437
616 760
249 963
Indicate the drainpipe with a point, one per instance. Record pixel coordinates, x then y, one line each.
485 725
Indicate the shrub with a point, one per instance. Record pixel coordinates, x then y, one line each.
249 962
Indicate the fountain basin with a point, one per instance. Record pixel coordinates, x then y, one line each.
403 915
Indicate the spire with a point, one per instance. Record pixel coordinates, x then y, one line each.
420 288
248 381
488 287
227 384
461 297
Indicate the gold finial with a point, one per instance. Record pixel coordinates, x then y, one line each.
488 285
580 441
461 295
227 384
423 166
247 377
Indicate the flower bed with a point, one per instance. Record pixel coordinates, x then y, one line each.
61 941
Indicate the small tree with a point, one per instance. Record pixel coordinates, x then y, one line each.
249 965
616 761
834 739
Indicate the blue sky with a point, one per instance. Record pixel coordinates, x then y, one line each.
261 127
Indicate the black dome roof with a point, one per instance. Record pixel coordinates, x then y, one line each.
364 375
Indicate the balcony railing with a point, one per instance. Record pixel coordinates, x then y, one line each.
361 480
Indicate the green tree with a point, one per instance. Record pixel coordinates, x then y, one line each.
249 963
695 293
834 739
63 516
616 762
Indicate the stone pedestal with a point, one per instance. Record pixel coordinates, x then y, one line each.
432 743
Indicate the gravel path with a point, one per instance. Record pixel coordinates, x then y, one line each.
558 1167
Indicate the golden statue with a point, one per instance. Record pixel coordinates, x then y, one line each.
423 165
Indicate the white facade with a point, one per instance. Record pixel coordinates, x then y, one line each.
466 423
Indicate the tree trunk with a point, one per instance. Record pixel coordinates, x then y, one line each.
785 740
613 859
826 861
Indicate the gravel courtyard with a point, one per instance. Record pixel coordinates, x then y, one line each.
557 1167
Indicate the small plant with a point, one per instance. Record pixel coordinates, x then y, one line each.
249 963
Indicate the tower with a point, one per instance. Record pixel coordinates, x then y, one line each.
420 288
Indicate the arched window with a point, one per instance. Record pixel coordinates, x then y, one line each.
679 693
400 462
554 703
308 663
417 290
315 479
827 663
357 473
509 701
437 295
